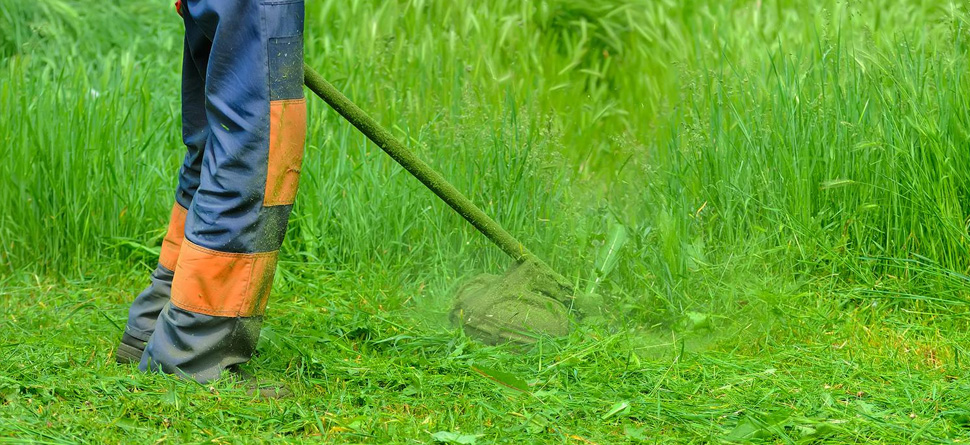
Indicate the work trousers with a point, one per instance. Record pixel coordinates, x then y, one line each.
244 129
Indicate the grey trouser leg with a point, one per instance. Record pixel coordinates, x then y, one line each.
145 309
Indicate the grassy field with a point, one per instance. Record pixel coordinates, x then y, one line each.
771 197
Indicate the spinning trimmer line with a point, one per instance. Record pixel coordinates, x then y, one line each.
529 301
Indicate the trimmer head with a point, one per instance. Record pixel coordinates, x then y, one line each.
527 303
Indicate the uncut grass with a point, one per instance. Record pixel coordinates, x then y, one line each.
704 127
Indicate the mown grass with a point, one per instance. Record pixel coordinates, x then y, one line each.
770 197
363 372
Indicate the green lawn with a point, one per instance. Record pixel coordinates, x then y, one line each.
770 199
366 368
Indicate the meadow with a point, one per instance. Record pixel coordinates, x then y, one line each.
770 200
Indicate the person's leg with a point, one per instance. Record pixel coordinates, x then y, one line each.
145 309
237 219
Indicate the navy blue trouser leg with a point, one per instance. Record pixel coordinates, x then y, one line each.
244 123
147 306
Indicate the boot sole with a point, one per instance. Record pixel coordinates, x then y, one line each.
128 354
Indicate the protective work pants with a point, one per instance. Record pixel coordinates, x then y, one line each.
244 127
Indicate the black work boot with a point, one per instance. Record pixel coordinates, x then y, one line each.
129 350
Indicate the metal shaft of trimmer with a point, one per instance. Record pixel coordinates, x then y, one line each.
428 176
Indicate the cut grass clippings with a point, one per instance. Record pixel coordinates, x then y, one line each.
365 370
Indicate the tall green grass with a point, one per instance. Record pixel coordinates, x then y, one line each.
727 139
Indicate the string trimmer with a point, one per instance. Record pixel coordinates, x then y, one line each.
530 300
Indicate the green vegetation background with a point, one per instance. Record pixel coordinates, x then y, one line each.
770 197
